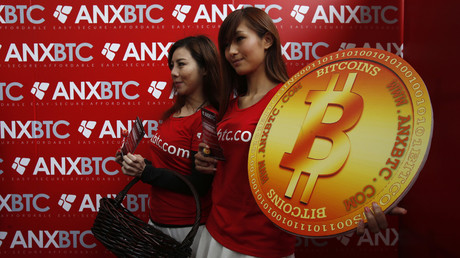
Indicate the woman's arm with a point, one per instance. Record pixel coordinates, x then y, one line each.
136 165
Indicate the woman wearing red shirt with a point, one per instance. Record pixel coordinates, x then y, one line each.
254 70
195 74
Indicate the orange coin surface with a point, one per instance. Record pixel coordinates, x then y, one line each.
352 128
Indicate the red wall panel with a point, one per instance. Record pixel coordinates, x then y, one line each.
74 74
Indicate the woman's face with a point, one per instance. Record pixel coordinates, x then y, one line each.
246 51
187 76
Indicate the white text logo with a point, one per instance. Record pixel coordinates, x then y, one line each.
62 12
66 201
180 12
46 239
359 14
21 13
23 202
39 89
86 127
110 49
66 166
211 15
115 131
33 129
20 164
123 14
132 202
302 50
156 88
55 52
100 90
299 11
140 53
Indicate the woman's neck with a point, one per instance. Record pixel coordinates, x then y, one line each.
191 106
259 85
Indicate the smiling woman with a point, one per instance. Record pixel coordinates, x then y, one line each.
187 76
194 66
253 68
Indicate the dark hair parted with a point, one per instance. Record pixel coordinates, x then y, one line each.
205 53
275 68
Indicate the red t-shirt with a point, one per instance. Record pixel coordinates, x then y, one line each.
171 148
236 221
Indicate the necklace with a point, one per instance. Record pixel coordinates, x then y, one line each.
196 110
200 106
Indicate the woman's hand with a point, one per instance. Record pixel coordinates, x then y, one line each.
376 219
203 163
133 165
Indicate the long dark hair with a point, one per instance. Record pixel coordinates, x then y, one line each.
261 23
204 52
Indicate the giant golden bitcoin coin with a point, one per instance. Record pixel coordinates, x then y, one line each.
349 129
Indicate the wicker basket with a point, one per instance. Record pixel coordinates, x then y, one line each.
125 235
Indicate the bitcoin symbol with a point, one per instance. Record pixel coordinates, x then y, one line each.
336 138
313 127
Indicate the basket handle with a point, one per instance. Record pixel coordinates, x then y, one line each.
121 195
188 240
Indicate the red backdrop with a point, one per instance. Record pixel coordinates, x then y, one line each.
430 42
74 74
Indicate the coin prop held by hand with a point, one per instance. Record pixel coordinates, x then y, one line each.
349 129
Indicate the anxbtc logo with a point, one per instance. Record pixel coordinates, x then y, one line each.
360 14
302 50
34 129
20 164
22 13
86 128
180 12
299 11
132 202
52 239
68 166
110 49
154 51
66 201
156 88
114 129
216 13
108 14
143 51
102 90
54 52
24 202
62 12
39 88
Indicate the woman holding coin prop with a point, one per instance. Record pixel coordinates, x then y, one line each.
194 66
254 70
